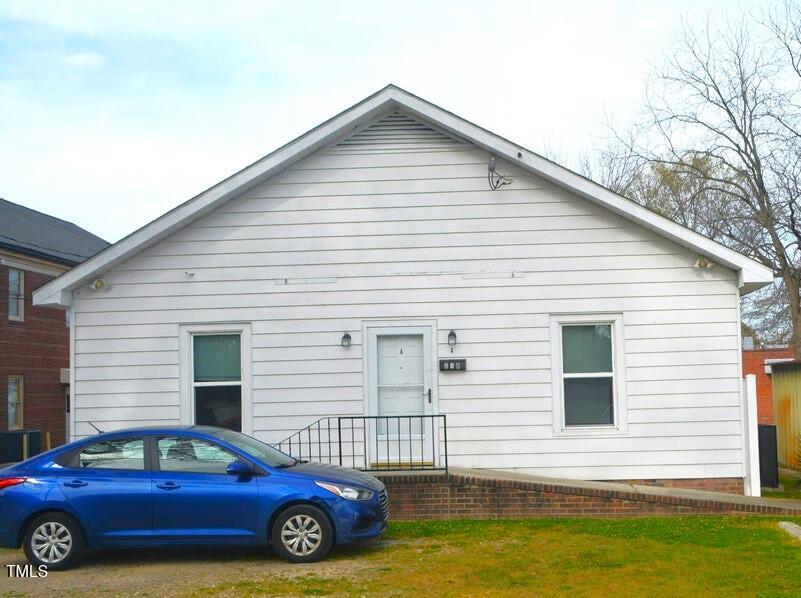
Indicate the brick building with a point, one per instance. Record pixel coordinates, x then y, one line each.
758 362
34 341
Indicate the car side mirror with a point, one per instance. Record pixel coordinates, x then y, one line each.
240 468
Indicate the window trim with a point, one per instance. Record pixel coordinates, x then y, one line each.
620 404
21 402
186 358
20 299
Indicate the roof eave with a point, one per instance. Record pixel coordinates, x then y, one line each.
21 249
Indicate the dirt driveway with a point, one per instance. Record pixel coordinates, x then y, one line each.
174 572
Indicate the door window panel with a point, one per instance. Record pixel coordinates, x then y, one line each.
191 455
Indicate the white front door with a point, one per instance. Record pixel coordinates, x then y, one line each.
401 384
400 391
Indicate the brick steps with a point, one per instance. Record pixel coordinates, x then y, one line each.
485 494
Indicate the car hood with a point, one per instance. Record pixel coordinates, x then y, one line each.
334 473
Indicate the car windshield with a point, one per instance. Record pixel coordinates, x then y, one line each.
256 448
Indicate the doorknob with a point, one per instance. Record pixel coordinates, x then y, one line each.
428 393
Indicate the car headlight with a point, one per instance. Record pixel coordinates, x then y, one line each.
348 492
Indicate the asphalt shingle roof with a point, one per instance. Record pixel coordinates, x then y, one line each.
34 233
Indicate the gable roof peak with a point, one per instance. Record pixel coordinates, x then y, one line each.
59 291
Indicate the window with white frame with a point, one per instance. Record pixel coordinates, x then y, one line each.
217 380
14 396
588 364
16 294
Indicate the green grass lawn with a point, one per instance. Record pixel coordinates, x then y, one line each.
677 556
791 488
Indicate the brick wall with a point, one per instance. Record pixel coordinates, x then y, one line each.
454 496
37 349
754 363
728 485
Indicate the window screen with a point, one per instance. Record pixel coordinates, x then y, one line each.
217 380
588 374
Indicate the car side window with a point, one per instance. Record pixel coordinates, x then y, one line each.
121 453
192 455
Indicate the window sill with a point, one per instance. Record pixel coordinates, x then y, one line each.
590 432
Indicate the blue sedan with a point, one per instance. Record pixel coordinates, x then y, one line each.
180 486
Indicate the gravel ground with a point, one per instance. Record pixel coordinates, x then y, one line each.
173 572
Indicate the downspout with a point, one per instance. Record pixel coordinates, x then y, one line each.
73 393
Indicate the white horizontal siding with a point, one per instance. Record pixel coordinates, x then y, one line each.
482 446
715 306
702 469
400 229
265 294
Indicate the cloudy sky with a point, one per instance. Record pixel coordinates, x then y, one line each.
112 113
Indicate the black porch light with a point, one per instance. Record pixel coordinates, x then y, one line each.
452 339
346 340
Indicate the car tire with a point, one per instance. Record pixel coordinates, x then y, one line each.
54 540
302 534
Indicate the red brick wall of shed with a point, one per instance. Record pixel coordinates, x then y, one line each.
754 363
36 349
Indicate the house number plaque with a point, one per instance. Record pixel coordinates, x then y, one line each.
452 365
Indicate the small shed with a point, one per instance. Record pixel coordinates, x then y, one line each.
787 411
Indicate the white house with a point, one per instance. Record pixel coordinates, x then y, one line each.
600 340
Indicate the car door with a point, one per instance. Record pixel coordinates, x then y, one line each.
194 499
107 483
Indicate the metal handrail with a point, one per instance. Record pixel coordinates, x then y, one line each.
373 442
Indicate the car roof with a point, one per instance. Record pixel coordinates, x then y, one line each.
163 429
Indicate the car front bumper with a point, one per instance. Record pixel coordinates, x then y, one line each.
358 520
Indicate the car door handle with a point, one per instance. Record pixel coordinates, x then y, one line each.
75 484
168 486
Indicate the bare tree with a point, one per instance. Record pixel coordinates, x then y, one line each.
722 141
766 312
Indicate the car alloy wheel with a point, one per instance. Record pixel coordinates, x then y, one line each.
301 535
54 540
51 542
